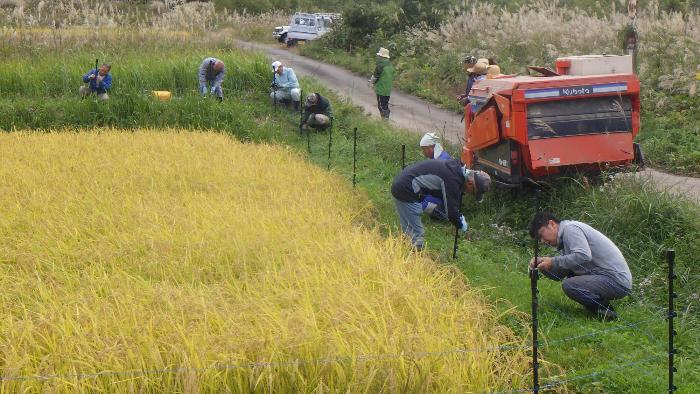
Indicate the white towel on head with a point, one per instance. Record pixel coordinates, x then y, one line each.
430 139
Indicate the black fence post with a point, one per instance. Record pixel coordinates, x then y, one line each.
534 276
301 124
330 143
354 156
671 257
403 156
454 248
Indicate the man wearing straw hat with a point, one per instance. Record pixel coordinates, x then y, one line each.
447 179
211 73
383 79
432 149
478 70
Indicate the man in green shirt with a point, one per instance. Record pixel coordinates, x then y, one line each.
382 79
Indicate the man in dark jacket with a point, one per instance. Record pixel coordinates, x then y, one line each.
467 64
318 113
446 179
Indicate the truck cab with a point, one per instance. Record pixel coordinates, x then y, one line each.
582 117
306 27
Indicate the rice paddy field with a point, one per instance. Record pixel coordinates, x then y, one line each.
227 264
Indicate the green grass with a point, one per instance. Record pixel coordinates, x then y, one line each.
641 221
671 133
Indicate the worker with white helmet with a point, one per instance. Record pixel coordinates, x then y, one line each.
285 86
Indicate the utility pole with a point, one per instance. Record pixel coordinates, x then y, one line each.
631 38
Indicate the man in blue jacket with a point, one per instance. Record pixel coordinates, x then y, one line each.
99 81
211 74
285 85
447 179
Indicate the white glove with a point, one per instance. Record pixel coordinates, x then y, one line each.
371 81
463 226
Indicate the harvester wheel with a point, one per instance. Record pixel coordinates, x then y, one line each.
638 156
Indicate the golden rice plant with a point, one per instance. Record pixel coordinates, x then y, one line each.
189 262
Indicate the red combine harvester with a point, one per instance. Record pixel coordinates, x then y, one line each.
581 118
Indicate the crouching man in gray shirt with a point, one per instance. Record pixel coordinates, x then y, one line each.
591 268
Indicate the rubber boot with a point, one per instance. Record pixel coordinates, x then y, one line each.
295 105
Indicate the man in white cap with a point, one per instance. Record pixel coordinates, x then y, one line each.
432 149
285 85
447 179
212 72
318 113
383 79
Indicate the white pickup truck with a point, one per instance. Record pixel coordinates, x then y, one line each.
280 33
307 27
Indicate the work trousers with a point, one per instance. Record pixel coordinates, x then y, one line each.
411 224
293 94
591 291
86 91
383 106
318 121
215 90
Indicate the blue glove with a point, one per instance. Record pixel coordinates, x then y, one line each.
463 226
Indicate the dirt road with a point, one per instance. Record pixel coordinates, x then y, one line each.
419 116
408 112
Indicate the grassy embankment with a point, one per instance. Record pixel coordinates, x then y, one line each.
429 62
640 220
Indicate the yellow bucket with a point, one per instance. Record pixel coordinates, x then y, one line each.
162 95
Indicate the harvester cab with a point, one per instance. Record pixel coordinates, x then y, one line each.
582 117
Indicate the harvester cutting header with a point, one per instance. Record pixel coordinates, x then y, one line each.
582 117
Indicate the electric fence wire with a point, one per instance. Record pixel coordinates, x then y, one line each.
326 361
556 277
594 374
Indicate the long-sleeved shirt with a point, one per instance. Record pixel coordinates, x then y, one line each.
322 106
586 251
287 80
384 77
470 82
208 74
443 155
439 178
98 84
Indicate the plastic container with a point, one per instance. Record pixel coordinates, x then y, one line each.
162 95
